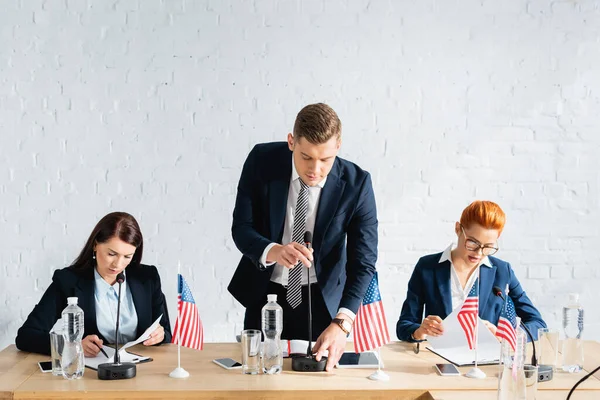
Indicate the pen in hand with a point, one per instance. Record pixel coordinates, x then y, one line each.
103 352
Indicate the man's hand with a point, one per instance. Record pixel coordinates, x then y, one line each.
290 254
432 326
91 345
333 339
155 337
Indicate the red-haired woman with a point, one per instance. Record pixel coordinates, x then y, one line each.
441 282
114 246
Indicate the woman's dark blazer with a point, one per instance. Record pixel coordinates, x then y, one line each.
429 293
142 280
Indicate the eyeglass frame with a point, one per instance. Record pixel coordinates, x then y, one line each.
478 244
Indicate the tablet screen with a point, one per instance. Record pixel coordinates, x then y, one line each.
361 359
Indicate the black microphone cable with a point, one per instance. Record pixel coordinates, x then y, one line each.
581 381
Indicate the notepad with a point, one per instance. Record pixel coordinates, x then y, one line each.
296 347
93 362
124 355
452 345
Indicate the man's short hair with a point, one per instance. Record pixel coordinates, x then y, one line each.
317 123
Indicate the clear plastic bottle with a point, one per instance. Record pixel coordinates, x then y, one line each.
73 361
573 328
272 326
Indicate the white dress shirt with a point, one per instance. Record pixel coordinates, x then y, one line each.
281 273
458 293
106 299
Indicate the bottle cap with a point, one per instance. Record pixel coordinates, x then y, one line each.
72 301
573 297
272 298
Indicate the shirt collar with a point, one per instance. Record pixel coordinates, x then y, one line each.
446 256
102 287
296 176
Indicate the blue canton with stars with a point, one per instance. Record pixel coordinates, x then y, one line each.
509 313
372 295
184 290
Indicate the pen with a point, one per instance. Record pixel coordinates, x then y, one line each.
103 352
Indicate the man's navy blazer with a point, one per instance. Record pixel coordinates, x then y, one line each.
344 237
429 291
143 281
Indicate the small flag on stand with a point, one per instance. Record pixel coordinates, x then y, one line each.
370 326
188 325
507 324
467 316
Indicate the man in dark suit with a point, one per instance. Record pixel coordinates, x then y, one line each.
285 190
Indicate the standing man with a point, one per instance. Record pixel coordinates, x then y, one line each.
285 190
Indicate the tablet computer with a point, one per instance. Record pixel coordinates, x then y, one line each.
367 359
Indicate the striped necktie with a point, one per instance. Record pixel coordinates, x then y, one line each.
294 289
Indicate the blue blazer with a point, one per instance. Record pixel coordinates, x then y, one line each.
142 280
344 238
429 291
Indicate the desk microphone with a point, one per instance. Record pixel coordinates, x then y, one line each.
544 371
309 363
116 369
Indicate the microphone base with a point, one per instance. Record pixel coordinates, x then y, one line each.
545 373
308 364
112 371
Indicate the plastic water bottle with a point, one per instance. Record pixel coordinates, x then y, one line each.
272 326
573 343
73 361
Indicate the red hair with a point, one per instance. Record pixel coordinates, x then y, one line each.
485 213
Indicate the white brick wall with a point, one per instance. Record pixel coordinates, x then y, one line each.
151 107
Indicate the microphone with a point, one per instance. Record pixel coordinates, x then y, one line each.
116 369
309 363
545 371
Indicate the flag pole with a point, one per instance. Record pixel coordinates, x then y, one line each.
475 372
379 375
178 372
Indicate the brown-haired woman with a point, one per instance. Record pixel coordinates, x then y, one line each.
114 246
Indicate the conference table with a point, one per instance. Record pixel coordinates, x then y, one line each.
412 376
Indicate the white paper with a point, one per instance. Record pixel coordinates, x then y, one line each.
124 356
93 362
144 336
453 345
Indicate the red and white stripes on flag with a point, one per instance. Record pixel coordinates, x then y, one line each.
188 322
467 316
370 329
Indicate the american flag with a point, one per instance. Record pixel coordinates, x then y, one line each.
467 316
507 324
188 321
370 327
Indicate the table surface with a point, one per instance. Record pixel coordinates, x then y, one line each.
412 376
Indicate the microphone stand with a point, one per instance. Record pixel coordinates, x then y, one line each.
545 372
116 369
309 363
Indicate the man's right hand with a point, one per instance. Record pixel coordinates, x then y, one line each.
432 326
290 254
91 345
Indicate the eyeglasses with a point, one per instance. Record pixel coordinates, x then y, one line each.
473 245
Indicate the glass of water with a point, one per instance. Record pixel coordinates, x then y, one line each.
548 347
251 339
57 342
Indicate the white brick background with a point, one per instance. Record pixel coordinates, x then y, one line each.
151 107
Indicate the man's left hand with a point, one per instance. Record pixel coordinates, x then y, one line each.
333 339
155 337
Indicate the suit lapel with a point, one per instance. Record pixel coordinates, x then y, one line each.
442 276
140 299
85 297
486 281
279 186
331 194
